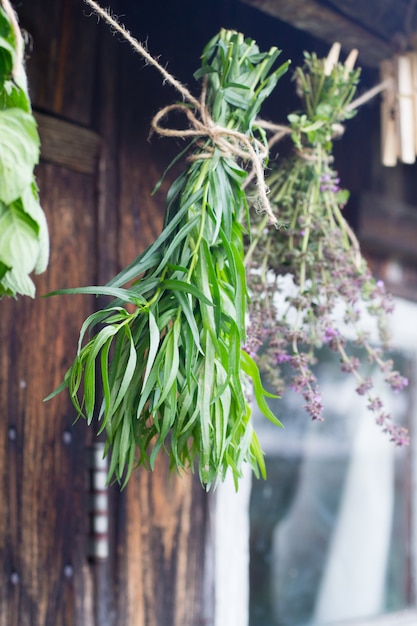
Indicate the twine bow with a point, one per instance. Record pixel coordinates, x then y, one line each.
230 142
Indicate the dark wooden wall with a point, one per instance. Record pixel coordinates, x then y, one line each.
94 100
43 528
95 179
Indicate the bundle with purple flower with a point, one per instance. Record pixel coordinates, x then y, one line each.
329 287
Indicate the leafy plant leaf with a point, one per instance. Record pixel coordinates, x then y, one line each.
24 240
19 152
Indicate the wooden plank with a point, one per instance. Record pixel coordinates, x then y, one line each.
107 229
68 144
61 59
160 530
387 18
105 123
141 162
161 550
44 577
329 25
43 521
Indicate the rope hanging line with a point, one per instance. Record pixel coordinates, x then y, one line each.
371 93
139 48
228 141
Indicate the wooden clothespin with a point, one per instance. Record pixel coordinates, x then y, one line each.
332 58
389 115
406 108
413 61
399 109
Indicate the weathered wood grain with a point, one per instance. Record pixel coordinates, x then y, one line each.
42 528
161 550
327 24
99 218
389 19
61 57
68 144
45 579
160 528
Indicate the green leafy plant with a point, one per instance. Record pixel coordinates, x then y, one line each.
173 372
24 243
316 249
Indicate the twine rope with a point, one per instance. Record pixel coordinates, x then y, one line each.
281 131
230 142
371 93
106 15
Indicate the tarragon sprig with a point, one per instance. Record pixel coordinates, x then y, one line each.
173 372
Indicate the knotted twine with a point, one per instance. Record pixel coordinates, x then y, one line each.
230 142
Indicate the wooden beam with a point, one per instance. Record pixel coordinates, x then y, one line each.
328 25
68 144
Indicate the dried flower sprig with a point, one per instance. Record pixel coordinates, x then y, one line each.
316 247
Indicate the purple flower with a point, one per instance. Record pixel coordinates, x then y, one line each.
329 334
396 381
375 404
397 434
364 387
329 183
350 365
314 405
283 358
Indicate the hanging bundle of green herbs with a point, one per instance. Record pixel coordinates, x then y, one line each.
318 253
24 243
173 372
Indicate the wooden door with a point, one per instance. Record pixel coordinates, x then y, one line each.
95 184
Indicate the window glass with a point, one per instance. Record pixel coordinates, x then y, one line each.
330 527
